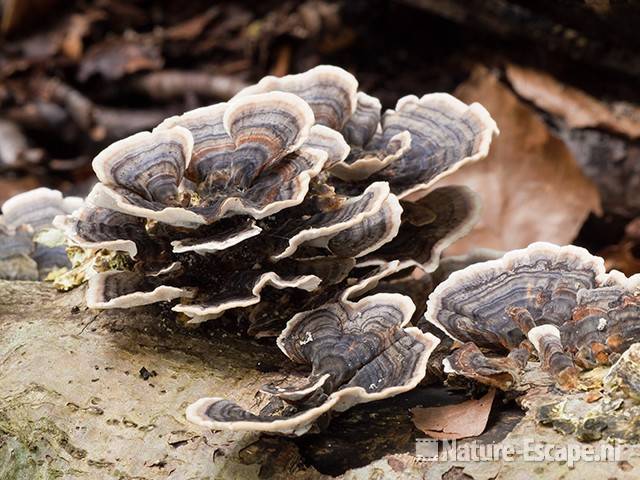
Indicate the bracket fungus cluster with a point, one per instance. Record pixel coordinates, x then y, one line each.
29 247
279 207
358 352
556 302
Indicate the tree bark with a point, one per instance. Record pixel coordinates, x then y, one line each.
74 405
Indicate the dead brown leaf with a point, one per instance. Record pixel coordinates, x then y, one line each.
192 28
530 184
462 420
577 108
13 186
625 255
77 28
115 58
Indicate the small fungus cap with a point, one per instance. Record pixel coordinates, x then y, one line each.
472 304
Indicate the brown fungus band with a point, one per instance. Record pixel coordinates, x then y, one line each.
273 206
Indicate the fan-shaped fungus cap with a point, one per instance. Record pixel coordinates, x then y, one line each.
604 323
218 241
97 227
365 121
16 249
500 372
15 241
244 157
38 207
411 147
445 135
429 226
27 220
124 289
330 91
360 225
473 304
359 352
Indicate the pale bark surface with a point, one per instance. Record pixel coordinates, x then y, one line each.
72 399
73 405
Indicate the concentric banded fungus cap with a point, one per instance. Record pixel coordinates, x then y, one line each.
411 147
358 352
605 322
16 249
445 134
360 225
245 157
473 304
330 91
38 208
125 289
429 225
27 222
97 228
15 241
499 372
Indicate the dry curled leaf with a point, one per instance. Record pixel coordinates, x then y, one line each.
530 185
193 27
115 58
13 186
462 420
577 108
625 255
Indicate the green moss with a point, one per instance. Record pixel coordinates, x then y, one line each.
18 462
26 449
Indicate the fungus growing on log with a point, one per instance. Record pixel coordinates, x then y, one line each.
412 147
29 247
556 301
359 352
605 321
239 209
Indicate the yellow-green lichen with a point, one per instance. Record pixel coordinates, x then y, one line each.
85 263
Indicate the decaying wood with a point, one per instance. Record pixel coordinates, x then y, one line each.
170 84
72 398
576 28
102 395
